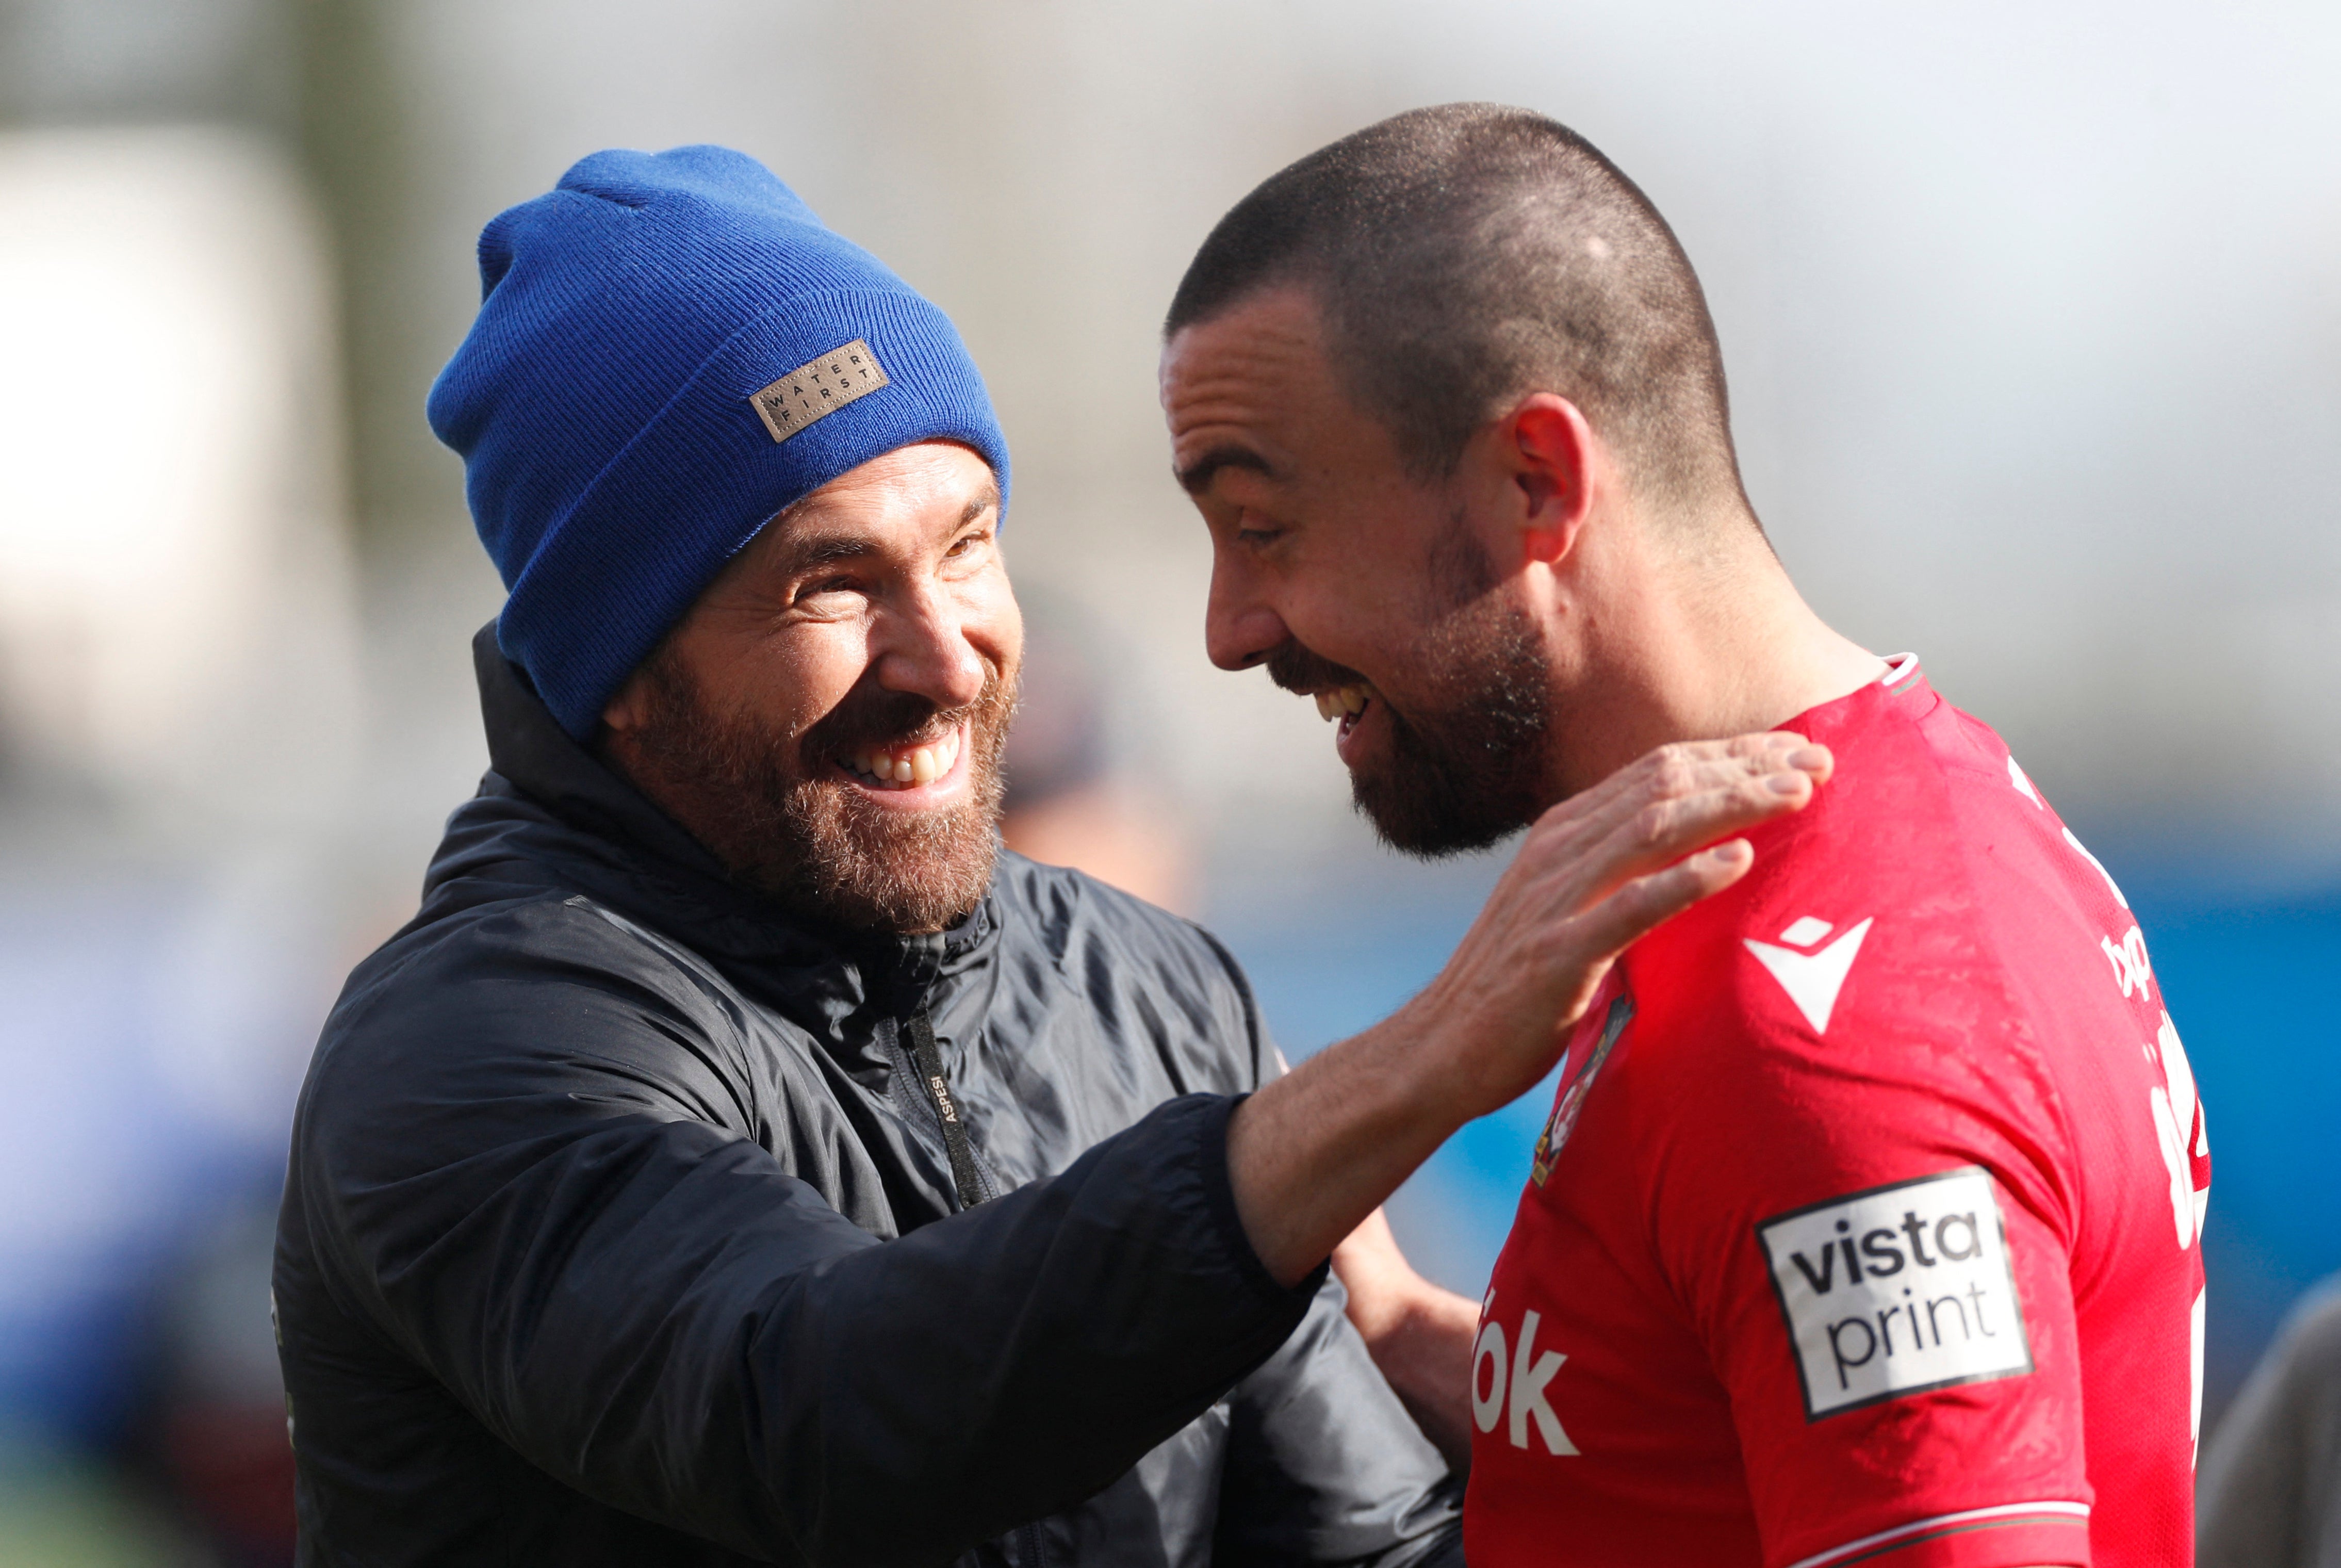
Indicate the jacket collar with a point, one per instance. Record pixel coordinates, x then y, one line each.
662 863
528 746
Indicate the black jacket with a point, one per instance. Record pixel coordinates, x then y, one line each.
620 1227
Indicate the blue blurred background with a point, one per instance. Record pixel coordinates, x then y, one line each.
2033 316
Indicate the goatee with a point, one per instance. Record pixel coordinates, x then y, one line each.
778 812
1468 767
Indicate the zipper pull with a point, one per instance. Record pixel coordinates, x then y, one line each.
924 1056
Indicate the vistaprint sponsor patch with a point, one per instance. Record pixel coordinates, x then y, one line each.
1898 1290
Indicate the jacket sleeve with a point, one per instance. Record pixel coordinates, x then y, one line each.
1324 1464
531 1181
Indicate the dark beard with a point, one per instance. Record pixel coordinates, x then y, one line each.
1469 767
815 843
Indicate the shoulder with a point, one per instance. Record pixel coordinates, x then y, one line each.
545 942
1870 908
1119 951
1857 985
1076 916
534 998
1849 904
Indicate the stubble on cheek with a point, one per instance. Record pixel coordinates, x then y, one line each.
1467 730
1468 768
785 820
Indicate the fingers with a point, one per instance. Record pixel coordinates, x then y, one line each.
1648 902
1668 830
1672 772
1679 804
1636 851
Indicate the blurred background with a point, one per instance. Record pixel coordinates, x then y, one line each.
2032 312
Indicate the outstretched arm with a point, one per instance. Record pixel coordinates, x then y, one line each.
1313 1154
530 1194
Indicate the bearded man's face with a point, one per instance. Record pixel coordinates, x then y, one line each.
784 821
1360 584
1464 706
828 717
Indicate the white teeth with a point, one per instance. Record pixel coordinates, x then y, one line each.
920 766
1325 708
1353 698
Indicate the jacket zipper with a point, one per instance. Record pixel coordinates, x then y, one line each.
920 1034
928 1059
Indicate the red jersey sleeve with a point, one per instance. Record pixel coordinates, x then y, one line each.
1868 1231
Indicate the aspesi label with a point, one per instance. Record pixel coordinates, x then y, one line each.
1898 1290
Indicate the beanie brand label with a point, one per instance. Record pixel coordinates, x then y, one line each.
819 388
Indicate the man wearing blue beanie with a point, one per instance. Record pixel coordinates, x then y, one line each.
741 1158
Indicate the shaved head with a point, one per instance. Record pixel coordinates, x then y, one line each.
1466 255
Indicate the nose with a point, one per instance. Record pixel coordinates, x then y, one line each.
925 650
1238 629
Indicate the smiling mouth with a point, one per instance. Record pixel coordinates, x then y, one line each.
905 767
1345 706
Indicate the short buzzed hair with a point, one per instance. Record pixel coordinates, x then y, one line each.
1467 254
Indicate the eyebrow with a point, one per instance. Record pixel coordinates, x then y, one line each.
812 551
985 500
817 549
1196 478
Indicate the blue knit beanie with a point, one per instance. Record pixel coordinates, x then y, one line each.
672 348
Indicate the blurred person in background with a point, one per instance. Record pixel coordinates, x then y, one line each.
213 1423
1864 1226
1069 799
2271 1486
738 1157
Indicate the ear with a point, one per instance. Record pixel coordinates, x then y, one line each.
628 706
1549 455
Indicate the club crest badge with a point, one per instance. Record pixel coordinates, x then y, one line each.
1570 1102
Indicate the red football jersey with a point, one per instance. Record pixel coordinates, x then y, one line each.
1864 1225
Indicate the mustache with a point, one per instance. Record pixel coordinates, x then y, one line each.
1295 669
876 718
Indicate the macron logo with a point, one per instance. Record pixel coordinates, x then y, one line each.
1812 979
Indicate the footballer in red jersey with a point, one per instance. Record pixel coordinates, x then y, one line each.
1863 1228
1865 1223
